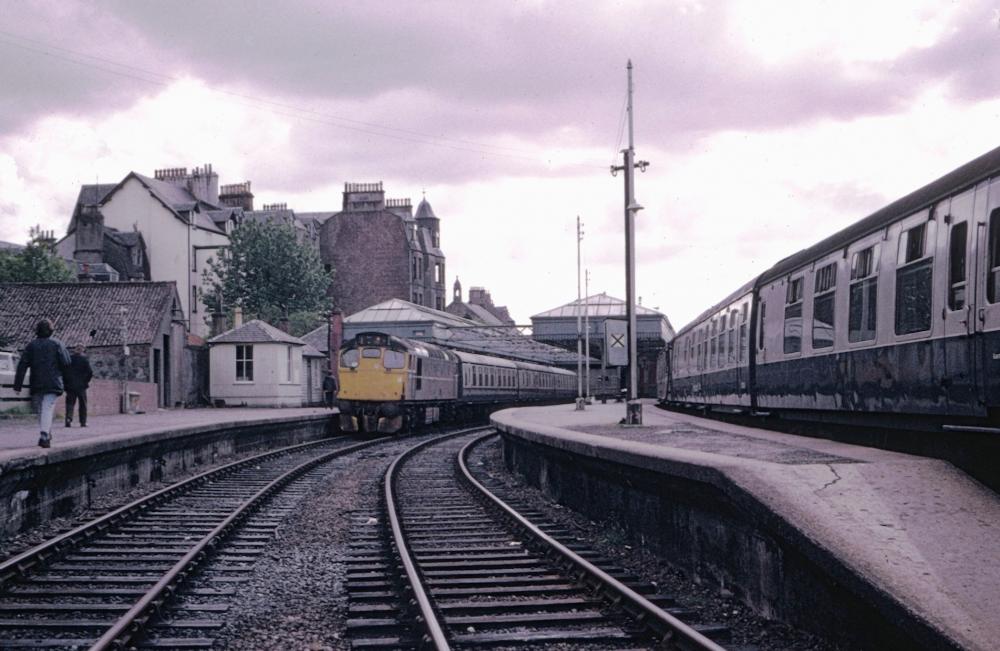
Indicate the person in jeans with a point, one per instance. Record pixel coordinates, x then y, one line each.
48 360
77 381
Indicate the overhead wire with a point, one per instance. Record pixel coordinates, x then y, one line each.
163 79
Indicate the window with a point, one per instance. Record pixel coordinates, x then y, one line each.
349 358
194 299
420 374
722 342
371 353
956 266
913 282
288 364
743 330
394 359
760 327
714 346
793 316
244 363
861 313
732 336
824 292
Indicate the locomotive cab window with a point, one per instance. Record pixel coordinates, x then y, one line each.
861 314
371 353
394 359
824 291
793 316
349 358
914 273
957 266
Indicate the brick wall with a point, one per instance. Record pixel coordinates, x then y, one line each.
370 256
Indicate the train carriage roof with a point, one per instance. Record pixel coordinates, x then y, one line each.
955 181
485 360
528 366
712 311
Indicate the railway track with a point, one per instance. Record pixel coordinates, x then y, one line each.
125 579
457 567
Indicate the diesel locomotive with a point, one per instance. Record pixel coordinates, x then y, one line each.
895 318
390 384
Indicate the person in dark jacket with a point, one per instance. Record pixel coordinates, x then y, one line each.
47 358
330 389
77 379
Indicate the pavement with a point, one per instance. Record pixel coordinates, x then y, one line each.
920 529
19 437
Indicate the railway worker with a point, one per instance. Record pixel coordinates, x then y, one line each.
77 380
48 360
330 389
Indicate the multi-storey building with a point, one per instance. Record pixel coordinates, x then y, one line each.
379 250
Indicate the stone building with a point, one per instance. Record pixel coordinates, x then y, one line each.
558 327
380 250
480 307
145 316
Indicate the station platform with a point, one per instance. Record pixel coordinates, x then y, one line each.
19 438
920 532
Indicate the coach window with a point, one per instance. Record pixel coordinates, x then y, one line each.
760 327
864 296
793 316
714 345
956 266
824 291
732 336
913 281
743 330
721 359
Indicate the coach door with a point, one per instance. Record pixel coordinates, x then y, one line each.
956 240
987 308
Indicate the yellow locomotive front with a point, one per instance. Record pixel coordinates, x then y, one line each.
373 380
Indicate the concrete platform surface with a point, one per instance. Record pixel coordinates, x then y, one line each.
918 528
19 438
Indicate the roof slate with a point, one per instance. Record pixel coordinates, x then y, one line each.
256 332
597 305
318 338
77 309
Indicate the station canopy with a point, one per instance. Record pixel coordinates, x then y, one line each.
411 321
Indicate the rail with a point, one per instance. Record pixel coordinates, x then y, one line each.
674 633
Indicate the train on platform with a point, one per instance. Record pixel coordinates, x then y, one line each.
389 384
894 320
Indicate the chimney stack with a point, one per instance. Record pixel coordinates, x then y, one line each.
335 331
237 317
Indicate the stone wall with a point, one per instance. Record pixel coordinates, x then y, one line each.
34 489
698 521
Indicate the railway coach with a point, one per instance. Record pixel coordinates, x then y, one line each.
895 316
390 384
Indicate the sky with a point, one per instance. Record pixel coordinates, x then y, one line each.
768 125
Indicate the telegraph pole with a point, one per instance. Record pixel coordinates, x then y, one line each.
633 415
579 333
586 331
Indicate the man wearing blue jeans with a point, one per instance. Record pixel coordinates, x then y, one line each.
48 359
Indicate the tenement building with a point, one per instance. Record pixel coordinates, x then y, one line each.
380 250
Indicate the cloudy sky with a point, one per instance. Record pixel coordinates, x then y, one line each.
768 125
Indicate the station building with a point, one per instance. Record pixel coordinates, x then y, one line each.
558 327
133 331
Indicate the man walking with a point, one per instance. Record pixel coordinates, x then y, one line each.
47 358
77 380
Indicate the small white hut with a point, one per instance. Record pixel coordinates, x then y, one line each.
256 365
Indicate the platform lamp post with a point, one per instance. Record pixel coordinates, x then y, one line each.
633 414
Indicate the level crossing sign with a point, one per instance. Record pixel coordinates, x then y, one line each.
615 342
